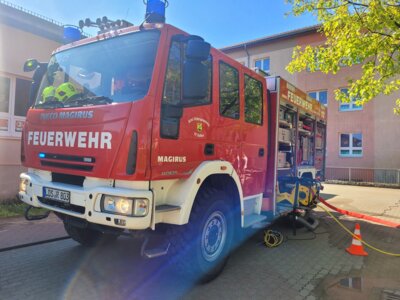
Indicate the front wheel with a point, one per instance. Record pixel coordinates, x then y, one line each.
203 245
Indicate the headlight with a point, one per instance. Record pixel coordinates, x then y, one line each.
23 184
141 207
124 206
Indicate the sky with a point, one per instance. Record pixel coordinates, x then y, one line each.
220 22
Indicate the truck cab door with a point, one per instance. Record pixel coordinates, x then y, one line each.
184 117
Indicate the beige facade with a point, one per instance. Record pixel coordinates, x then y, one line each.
375 122
279 53
22 36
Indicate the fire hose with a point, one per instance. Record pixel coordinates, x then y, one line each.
360 216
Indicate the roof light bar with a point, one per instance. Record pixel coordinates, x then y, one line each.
71 34
155 10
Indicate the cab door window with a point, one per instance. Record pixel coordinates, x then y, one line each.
229 105
253 100
173 79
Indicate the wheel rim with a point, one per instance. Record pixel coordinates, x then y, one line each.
214 236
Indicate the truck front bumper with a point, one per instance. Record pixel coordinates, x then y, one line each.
85 201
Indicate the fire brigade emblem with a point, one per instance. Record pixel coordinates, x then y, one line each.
199 127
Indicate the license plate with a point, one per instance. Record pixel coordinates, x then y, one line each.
56 194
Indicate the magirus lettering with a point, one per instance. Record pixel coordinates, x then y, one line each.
171 159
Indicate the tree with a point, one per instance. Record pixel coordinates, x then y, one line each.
358 31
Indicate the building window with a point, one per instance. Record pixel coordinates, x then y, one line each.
350 106
14 103
263 64
253 100
321 96
4 94
228 91
351 144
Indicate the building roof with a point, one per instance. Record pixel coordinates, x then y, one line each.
20 18
272 38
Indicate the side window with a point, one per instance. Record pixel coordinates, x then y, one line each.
228 91
253 100
173 78
22 89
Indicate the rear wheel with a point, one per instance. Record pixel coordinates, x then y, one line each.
203 245
88 237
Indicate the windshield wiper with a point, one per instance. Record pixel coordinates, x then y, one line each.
50 104
94 100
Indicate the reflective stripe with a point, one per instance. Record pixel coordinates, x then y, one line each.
357 232
357 242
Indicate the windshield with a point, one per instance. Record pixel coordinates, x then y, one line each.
113 70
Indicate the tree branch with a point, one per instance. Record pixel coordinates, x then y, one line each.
366 27
357 4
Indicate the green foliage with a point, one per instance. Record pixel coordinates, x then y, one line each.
359 31
16 208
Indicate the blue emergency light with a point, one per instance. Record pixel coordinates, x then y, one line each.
42 155
155 10
71 34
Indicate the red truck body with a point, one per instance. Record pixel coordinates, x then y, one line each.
235 140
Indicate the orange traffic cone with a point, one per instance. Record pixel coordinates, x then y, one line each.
356 247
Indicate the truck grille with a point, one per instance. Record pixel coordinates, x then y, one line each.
70 207
83 163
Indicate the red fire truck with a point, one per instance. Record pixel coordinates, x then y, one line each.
148 130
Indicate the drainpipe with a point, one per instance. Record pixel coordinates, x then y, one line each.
248 56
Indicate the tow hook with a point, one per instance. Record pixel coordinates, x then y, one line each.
35 217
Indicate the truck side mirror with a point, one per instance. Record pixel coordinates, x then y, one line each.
195 81
195 72
197 49
172 111
40 69
30 65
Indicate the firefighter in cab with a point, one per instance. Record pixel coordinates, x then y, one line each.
65 91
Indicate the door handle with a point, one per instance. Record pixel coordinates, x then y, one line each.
261 152
209 149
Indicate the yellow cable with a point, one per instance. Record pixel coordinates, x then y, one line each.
353 235
272 238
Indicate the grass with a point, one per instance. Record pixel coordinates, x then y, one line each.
15 208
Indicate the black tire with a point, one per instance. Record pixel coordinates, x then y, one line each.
201 248
88 237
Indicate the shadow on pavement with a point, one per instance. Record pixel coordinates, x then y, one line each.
327 196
